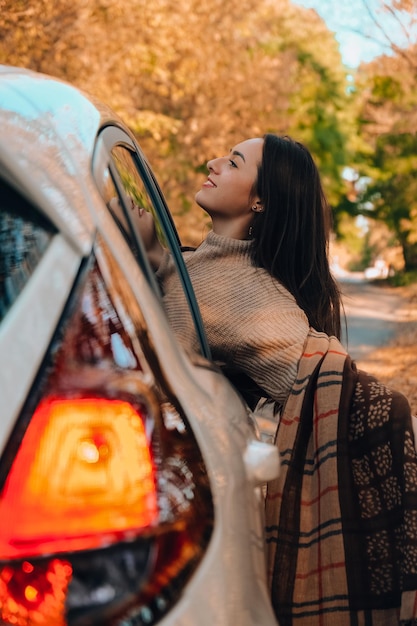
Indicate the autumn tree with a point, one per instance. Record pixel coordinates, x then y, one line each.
322 115
391 195
387 120
385 109
191 78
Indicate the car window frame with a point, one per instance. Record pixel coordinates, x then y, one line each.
109 137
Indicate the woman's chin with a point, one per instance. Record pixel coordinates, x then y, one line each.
199 198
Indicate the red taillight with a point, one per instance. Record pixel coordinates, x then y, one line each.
83 478
106 510
34 594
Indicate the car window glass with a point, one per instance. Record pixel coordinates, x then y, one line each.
117 208
24 238
125 205
135 189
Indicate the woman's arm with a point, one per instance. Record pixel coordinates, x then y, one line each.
145 224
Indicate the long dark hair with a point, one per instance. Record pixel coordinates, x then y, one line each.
291 235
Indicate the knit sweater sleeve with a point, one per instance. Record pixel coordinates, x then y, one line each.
269 346
254 326
253 323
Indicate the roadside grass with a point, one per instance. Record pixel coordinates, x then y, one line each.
395 364
403 279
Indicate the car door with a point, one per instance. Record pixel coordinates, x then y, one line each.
127 185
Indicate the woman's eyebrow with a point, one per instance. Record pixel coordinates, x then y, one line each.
236 153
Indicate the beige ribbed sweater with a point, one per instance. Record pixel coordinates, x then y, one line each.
252 322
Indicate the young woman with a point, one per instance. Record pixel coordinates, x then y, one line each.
341 519
261 276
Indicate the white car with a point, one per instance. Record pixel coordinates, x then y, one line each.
130 472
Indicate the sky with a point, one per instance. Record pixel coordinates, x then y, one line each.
359 39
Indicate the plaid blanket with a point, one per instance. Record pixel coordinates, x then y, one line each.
341 519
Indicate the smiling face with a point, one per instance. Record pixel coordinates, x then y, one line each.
227 193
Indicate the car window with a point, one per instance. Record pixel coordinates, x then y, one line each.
136 193
128 186
24 238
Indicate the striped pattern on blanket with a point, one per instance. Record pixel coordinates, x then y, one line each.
341 519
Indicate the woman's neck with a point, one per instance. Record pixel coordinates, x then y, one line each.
234 229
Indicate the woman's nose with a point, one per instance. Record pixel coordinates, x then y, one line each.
213 164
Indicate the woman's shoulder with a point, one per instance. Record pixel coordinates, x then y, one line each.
274 289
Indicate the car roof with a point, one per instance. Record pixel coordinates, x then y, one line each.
47 138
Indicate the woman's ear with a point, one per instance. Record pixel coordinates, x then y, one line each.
258 207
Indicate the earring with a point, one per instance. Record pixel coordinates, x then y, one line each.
250 231
254 208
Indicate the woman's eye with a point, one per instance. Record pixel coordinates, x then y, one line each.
232 163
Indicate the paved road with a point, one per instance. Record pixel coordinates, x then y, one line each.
373 313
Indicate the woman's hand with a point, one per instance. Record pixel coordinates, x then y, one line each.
144 223
146 226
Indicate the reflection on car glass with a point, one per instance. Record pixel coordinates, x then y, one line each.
24 237
117 211
149 226
135 188
132 184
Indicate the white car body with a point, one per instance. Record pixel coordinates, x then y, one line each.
47 138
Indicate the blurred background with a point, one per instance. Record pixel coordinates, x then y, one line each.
192 78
